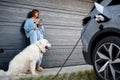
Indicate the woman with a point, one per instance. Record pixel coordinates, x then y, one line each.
34 30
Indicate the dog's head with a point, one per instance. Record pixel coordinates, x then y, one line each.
44 44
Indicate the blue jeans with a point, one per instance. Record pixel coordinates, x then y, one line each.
36 35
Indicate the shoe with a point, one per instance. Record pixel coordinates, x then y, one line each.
39 68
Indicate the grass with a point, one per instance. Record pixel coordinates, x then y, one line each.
87 75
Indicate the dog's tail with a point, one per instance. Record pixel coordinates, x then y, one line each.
3 73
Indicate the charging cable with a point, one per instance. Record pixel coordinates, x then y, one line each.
67 59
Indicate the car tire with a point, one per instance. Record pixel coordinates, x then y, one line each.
106 58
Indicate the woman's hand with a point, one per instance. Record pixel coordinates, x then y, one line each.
39 23
36 28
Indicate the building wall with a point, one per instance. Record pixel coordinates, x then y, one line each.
62 20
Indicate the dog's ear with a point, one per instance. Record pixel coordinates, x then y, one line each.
42 47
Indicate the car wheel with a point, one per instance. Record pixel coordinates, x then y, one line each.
106 58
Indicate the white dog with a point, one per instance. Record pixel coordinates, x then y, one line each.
27 59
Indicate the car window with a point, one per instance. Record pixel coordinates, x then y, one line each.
114 2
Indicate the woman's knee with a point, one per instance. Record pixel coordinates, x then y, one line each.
33 33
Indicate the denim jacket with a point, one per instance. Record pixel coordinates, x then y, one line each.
30 25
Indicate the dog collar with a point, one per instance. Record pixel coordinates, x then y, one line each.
39 48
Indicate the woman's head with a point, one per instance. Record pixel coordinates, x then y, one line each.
35 13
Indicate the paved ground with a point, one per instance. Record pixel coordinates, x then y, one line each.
52 71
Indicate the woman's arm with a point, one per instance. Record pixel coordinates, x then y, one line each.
28 26
42 28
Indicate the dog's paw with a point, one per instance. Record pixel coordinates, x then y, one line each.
35 74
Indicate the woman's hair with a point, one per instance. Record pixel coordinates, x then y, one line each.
33 12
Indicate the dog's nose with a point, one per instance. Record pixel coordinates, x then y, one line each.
46 47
